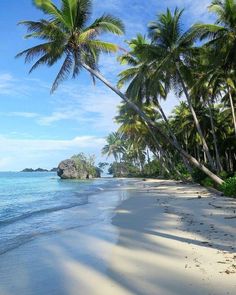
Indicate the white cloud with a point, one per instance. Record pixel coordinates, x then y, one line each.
18 87
57 116
14 145
74 101
17 154
23 114
92 105
6 83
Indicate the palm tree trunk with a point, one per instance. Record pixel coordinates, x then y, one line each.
163 160
198 153
232 109
148 156
227 161
218 162
230 160
197 124
150 123
173 137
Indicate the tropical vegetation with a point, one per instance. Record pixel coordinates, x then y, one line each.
198 139
86 163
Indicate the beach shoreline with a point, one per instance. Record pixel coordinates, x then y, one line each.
164 237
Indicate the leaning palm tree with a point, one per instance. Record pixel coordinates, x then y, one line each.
68 34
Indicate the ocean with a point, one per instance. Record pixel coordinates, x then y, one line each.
36 204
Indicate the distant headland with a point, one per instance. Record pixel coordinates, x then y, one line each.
39 170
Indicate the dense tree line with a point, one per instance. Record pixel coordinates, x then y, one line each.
169 60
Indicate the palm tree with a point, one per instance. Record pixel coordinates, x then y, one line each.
226 83
221 38
142 86
134 129
207 94
67 35
114 146
174 49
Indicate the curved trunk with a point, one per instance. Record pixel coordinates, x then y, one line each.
197 124
150 124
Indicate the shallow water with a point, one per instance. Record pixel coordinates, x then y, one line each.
35 204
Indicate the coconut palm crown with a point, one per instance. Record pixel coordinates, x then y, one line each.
221 36
68 34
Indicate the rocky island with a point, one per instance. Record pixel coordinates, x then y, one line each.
78 167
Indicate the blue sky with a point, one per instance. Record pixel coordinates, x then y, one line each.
38 129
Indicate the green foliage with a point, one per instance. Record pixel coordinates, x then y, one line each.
86 163
198 175
180 172
69 36
229 187
224 175
152 169
123 170
207 182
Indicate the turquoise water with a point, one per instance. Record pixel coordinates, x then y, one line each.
34 204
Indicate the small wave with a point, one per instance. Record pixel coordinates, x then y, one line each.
42 211
27 238
100 189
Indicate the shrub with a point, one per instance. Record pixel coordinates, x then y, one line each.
198 175
86 163
208 182
224 175
123 170
152 168
182 173
229 187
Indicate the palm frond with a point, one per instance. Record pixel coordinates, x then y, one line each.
108 23
103 46
83 13
41 61
49 8
35 52
63 73
207 31
126 75
86 35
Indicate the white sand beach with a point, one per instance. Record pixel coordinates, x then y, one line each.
165 238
